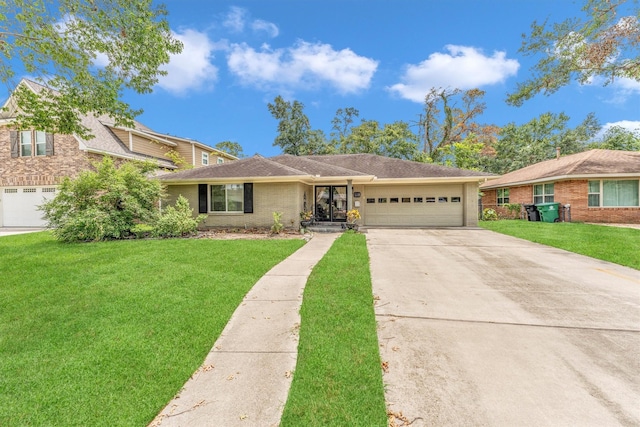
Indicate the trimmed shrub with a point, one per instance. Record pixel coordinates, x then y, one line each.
489 215
103 204
178 221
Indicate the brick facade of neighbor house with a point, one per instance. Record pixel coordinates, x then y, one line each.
67 160
572 192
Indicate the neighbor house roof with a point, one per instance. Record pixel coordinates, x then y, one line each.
104 140
588 164
358 167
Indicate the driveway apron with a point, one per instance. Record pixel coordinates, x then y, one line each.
478 328
245 379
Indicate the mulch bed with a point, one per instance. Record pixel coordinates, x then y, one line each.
248 233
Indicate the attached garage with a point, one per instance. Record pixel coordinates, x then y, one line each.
417 205
19 205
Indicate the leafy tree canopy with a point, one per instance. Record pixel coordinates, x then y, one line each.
295 135
604 44
87 52
231 147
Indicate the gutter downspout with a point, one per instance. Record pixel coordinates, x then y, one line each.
349 194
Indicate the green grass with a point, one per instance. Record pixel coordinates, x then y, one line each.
105 334
338 379
615 244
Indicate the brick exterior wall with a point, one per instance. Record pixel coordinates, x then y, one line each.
68 160
287 198
573 192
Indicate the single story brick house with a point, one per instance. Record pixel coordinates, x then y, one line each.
386 191
599 185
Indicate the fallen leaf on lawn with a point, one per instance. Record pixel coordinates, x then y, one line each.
385 367
394 417
230 377
243 417
208 368
395 348
287 374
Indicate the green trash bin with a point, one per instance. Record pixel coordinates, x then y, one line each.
548 212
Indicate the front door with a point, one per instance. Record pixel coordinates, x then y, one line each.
331 203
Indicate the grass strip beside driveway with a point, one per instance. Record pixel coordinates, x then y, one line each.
105 334
338 378
614 244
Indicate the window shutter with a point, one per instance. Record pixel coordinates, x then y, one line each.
202 198
15 144
248 197
49 144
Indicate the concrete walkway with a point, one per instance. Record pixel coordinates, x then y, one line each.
10 231
245 379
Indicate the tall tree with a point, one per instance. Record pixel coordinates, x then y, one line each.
603 44
295 135
87 52
450 116
391 140
618 138
231 147
538 139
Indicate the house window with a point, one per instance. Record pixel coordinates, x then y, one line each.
443 199
25 143
226 198
382 200
393 200
406 200
371 200
220 160
542 193
610 193
205 158
33 143
417 200
455 200
503 196
430 199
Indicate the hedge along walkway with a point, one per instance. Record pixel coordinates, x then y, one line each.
245 379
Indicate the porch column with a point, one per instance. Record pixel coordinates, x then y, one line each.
349 194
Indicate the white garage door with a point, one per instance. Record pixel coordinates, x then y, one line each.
20 205
426 206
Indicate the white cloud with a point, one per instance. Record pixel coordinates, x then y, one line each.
305 65
464 67
191 69
270 28
630 125
235 19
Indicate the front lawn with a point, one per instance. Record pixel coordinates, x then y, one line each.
615 244
338 378
105 334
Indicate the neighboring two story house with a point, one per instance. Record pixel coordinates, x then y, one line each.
33 162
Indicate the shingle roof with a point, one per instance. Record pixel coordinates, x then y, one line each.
256 166
589 163
386 167
367 166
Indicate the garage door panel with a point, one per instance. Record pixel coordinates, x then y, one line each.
418 211
20 206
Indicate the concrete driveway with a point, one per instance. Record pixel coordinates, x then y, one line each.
484 329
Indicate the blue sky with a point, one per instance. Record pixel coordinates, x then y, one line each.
380 57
